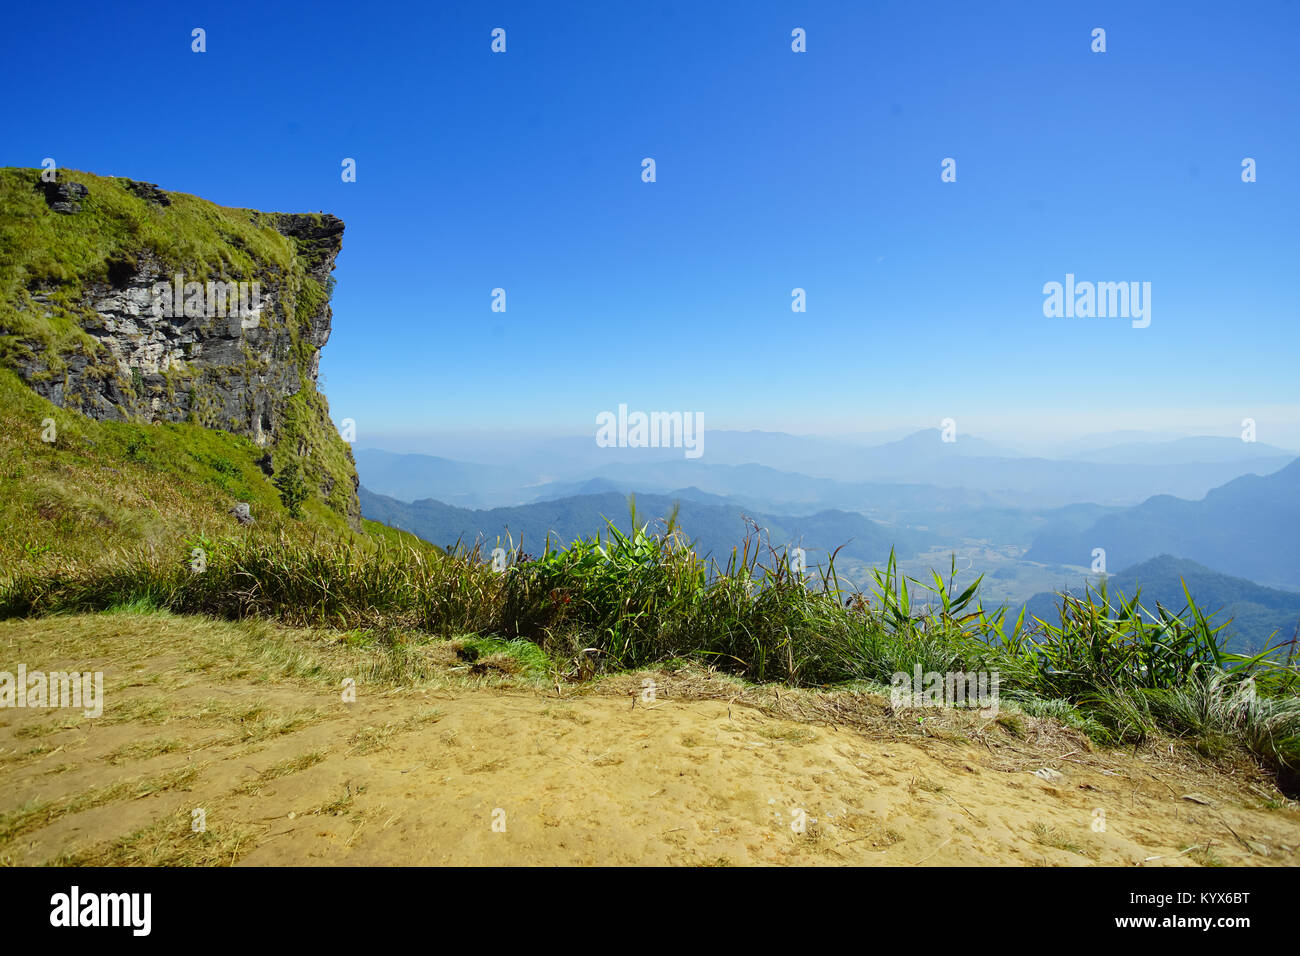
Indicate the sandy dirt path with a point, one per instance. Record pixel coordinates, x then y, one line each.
285 772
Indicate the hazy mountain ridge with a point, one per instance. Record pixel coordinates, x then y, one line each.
781 472
1260 616
410 477
714 528
1024 546
1249 527
1198 450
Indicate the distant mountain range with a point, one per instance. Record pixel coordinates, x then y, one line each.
409 477
794 474
1183 451
1031 522
1249 527
1260 616
713 524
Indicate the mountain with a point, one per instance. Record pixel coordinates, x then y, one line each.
1249 527
128 425
948 475
1004 525
714 528
1070 447
1260 616
466 484
927 445
785 473
409 477
701 497
1183 451
128 303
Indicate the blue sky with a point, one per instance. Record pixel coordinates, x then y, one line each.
775 170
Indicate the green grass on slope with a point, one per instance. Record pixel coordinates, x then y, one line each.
62 255
40 249
104 487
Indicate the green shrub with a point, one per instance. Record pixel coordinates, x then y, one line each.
293 490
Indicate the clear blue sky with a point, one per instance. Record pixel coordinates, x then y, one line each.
819 170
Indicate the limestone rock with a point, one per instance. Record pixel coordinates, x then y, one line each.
62 197
149 193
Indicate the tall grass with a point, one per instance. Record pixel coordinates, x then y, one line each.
623 600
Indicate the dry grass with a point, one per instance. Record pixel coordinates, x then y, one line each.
145 749
39 812
169 841
284 768
373 739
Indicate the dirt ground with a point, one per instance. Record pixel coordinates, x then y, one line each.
285 772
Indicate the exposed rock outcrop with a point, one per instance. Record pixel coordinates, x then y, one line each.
221 370
63 197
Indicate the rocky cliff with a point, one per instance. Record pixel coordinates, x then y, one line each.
126 302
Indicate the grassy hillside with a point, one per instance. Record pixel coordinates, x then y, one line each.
106 487
41 250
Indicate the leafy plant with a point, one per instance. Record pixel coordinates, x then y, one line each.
293 489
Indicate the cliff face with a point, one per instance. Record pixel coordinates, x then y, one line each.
232 372
126 302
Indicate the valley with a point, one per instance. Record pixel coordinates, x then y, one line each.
1024 554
